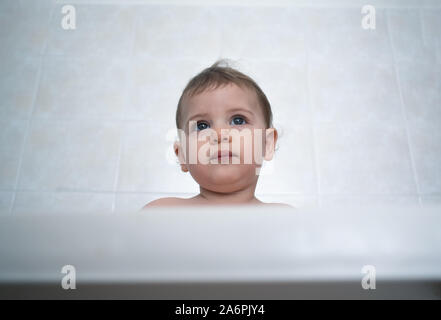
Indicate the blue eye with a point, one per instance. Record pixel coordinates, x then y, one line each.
201 126
241 120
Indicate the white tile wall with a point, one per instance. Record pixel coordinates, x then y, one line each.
35 203
425 141
293 164
144 164
78 87
364 159
101 31
86 113
159 32
24 26
335 35
135 201
156 85
354 92
421 90
65 155
5 202
365 200
431 24
289 94
431 200
11 137
406 30
18 84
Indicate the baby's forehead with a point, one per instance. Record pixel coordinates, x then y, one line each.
221 99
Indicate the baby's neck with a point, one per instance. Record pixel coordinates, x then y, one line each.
244 196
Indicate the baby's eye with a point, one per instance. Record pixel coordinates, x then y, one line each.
238 120
201 126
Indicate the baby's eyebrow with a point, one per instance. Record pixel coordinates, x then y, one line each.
241 109
203 114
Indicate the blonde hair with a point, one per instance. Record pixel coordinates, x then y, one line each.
216 76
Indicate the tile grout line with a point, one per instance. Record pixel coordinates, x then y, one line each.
129 79
117 171
403 111
312 124
422 28
73 119
424 39
379 195
26 134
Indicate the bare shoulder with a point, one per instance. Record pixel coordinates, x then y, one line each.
164 202
283 205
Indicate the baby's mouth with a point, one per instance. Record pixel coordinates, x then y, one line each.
222 154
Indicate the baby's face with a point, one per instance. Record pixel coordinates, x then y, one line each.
209 120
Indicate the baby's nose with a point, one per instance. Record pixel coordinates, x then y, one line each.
221 134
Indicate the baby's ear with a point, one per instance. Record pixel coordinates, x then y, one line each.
180 154
270 143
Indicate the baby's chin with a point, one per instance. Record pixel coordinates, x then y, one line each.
223 174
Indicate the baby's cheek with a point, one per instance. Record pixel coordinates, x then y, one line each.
246 149
203 152
197 151
258 146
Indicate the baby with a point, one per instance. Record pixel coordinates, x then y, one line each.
223 119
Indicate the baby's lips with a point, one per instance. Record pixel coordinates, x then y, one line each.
222 153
